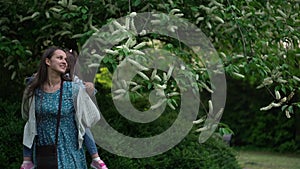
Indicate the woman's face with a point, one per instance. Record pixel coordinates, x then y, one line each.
58 62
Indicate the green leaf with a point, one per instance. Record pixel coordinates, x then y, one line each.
283 89
284 107
149 85
84 10
136 3
84 17
297 104
194 8
290 109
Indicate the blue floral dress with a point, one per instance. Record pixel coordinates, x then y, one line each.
69 155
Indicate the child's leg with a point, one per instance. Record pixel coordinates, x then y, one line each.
27 158
27 153
90 143
97 163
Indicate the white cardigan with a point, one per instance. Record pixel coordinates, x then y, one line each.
87 115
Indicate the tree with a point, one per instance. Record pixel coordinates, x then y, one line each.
258 41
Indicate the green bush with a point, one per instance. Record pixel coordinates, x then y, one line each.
252 127
213 154
11 132
290 146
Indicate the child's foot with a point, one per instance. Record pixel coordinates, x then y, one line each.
98 164
27 165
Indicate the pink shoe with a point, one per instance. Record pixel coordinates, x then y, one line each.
98 165
27 165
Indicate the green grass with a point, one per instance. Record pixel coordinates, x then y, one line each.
267 160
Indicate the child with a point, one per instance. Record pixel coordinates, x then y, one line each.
97 163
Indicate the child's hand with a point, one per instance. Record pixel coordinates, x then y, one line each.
89 87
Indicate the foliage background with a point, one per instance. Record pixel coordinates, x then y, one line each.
258 42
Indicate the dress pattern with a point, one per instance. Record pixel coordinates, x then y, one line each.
69 154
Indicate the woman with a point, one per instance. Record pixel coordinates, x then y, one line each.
40 107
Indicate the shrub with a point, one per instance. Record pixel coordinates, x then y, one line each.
11 131
213 154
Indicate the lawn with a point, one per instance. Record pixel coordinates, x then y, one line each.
267 160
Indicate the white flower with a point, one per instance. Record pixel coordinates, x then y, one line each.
287 113
202 129
277 95
132 14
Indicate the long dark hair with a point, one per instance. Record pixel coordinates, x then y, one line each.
71 60
42 73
